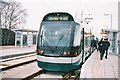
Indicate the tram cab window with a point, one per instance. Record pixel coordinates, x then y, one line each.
55 35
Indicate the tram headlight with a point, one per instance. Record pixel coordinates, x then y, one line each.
71 53
38 51
66 53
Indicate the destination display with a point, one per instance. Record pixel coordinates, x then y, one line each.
57 18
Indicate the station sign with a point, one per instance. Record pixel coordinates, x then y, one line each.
103 33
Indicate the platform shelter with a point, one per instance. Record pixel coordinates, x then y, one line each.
25 37
111 34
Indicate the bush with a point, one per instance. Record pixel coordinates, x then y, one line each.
8 37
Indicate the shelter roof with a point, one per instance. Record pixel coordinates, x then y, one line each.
110 30
26 30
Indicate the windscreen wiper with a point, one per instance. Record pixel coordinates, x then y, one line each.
58 43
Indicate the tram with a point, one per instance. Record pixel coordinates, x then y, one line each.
61 44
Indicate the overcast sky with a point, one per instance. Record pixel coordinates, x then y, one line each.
36 10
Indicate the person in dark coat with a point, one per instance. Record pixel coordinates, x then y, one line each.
99 44
93 44
107 45
101 48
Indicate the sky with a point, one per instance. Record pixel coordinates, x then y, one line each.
95 9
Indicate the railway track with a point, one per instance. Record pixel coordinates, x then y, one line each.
17 62
73 75
28 69
22 67
34 75
24 72
15 56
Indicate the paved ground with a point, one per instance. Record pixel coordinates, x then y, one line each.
6 47
11 50
96 68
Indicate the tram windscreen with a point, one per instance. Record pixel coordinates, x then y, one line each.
55 35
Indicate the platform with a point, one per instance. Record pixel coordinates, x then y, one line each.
96 68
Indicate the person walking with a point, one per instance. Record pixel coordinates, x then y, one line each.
101 48
107 45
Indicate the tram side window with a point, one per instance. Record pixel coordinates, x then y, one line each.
77 36
86 42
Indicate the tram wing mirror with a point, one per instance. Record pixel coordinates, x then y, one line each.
77 24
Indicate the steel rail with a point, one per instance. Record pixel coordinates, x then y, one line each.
16 65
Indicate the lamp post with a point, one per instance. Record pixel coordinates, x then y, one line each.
111 19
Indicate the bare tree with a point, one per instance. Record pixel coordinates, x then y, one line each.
12 15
